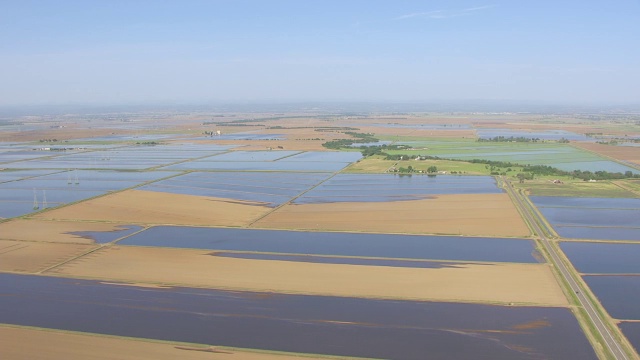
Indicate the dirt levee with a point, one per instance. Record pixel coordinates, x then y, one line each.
149 207
23 343
480 214
25 256
485 282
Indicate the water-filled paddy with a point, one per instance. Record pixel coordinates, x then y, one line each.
65 187
592 218
259 166
600 258
598 233
269 187
542 135
632 331
295 323
595 203
620 295
341 244
22 174
388 187
326 156
251 156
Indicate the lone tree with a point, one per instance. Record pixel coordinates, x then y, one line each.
432 169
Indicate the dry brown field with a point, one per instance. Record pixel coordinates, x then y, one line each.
624 153
52 231
26 256
470 282
28 343
427 133
149 207
478 215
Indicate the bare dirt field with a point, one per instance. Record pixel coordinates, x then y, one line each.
427 133
624 153
25 256
478 215
478 282
149 207
51 231
34 344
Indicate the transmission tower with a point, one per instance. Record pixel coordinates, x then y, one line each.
35 200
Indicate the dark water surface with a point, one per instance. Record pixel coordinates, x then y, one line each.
342 244
632 331
296 323
600 258
620 295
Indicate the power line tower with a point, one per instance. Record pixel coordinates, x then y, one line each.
35 200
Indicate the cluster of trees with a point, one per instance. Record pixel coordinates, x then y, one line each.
48 140
148 143
358 138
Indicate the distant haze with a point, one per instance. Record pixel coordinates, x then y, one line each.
132 52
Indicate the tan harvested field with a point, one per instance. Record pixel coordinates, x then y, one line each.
428 133
486 282
34 344
26 256
52 231
478 214
624 153
149 207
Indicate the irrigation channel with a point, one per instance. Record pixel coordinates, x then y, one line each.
610 342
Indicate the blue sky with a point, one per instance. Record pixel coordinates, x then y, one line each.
122 52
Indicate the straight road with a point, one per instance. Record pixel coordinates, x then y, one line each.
610 342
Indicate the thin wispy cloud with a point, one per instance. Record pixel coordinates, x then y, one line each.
483 7
444 14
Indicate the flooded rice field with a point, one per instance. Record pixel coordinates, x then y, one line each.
251 156
601 258
632 331
13 175
339 244
281 165
129 157
294 323
542 135
312 161
620 295
31 191
389 187
591 218
273 188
